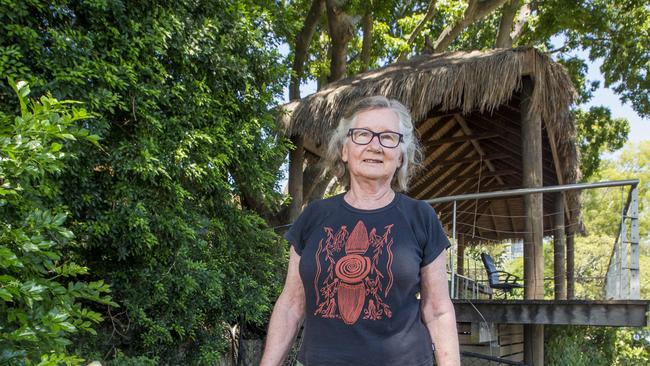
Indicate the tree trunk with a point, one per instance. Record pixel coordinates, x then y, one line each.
296 162
313 173
318 191
366 46
341 31
250 352
505 26
303 39
296 156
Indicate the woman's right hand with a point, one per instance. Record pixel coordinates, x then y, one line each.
287 317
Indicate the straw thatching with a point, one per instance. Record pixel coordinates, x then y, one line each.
481 88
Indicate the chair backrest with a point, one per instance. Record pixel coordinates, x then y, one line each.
490 268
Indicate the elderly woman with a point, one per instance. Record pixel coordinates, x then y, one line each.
367 268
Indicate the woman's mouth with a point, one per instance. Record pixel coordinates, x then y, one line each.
373 161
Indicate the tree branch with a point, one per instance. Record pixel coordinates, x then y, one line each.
431 10
303 39
522 19
476 10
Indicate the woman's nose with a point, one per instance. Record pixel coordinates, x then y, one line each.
374 142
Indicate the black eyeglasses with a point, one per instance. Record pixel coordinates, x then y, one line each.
363 136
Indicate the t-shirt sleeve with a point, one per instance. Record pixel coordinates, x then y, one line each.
296 234
436 238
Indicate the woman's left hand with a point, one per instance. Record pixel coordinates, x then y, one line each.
438 312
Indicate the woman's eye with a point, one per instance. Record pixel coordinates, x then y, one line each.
363 134
388 138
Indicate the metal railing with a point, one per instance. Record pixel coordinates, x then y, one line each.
623 272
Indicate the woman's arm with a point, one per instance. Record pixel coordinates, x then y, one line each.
287 316
438 312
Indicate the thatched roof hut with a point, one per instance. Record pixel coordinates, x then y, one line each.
467 108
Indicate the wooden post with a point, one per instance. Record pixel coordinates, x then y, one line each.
296 162
570 264
460 257
559 249
531 135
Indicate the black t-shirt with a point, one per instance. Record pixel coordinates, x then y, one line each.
361 273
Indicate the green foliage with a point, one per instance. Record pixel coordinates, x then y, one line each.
601 208
589 346
614 31
596 27
41 302
598 132
632 347
182 94
596 346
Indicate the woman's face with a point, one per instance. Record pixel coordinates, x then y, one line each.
373 161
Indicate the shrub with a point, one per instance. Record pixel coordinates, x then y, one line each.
41 295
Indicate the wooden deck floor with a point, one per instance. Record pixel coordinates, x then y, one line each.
616 313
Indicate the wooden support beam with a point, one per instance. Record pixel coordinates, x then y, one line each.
496 173
463 124
613 313
492 124
559 249
456 139
460 152
531 126
532 173
424 185
450 190
558 169
460 256
439 124
570 264
471 159
444 153
464 187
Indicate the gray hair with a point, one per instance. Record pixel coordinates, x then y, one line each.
410 146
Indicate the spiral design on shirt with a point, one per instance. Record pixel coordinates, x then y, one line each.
352 268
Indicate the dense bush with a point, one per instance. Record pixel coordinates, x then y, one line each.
596 346
41 300
182 93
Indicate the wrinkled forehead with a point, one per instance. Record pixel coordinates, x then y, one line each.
377 119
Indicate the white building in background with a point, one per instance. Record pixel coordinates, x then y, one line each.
515 249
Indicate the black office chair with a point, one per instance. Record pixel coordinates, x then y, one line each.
499 280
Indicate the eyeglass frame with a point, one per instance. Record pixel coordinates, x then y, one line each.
375 134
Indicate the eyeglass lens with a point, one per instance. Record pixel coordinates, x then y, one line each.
362 136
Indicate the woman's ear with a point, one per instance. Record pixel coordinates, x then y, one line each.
344 154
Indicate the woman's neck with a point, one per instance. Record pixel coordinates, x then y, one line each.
369 196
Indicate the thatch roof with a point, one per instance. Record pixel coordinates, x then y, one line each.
481 89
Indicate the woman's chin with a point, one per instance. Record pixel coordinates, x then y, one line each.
377 176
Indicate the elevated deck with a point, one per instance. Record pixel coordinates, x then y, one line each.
615 313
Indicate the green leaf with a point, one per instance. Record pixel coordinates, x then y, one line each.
5 295
55 147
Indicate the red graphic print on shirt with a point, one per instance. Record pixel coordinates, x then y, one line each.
358 274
